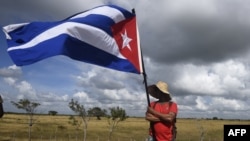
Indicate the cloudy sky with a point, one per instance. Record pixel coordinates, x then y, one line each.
201 48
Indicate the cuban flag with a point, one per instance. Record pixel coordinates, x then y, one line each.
105 35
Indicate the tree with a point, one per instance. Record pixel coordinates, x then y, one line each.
97 112
1 107
53 113
29 107
73 121
80 110
117 114
215 118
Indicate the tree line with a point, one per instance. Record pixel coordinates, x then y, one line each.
116 114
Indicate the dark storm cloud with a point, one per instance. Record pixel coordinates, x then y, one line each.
15 11
196 35
20 11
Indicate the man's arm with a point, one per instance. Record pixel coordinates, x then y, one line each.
157 116
151 117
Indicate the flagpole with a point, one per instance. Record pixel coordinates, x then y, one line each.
145 80
144 72
146 85
1 107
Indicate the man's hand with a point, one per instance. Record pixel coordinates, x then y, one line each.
150 110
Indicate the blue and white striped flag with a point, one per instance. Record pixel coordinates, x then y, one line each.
106 36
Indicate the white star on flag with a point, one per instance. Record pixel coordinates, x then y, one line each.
126 40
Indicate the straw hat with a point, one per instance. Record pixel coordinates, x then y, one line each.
160 85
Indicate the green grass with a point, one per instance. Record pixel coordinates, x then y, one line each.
57 128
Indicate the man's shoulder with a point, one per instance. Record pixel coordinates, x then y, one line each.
173 102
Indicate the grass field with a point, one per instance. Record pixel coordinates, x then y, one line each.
14 127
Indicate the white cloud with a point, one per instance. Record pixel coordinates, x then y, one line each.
232 73
228 104
11 81
214 79
11 71
26 90
83 97
198 79
201 103
231 68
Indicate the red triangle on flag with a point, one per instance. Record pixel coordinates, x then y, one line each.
125 35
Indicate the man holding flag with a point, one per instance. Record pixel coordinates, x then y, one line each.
105 35
162 113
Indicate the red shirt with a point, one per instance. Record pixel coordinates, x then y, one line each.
163 130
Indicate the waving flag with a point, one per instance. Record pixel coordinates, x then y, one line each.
105 36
